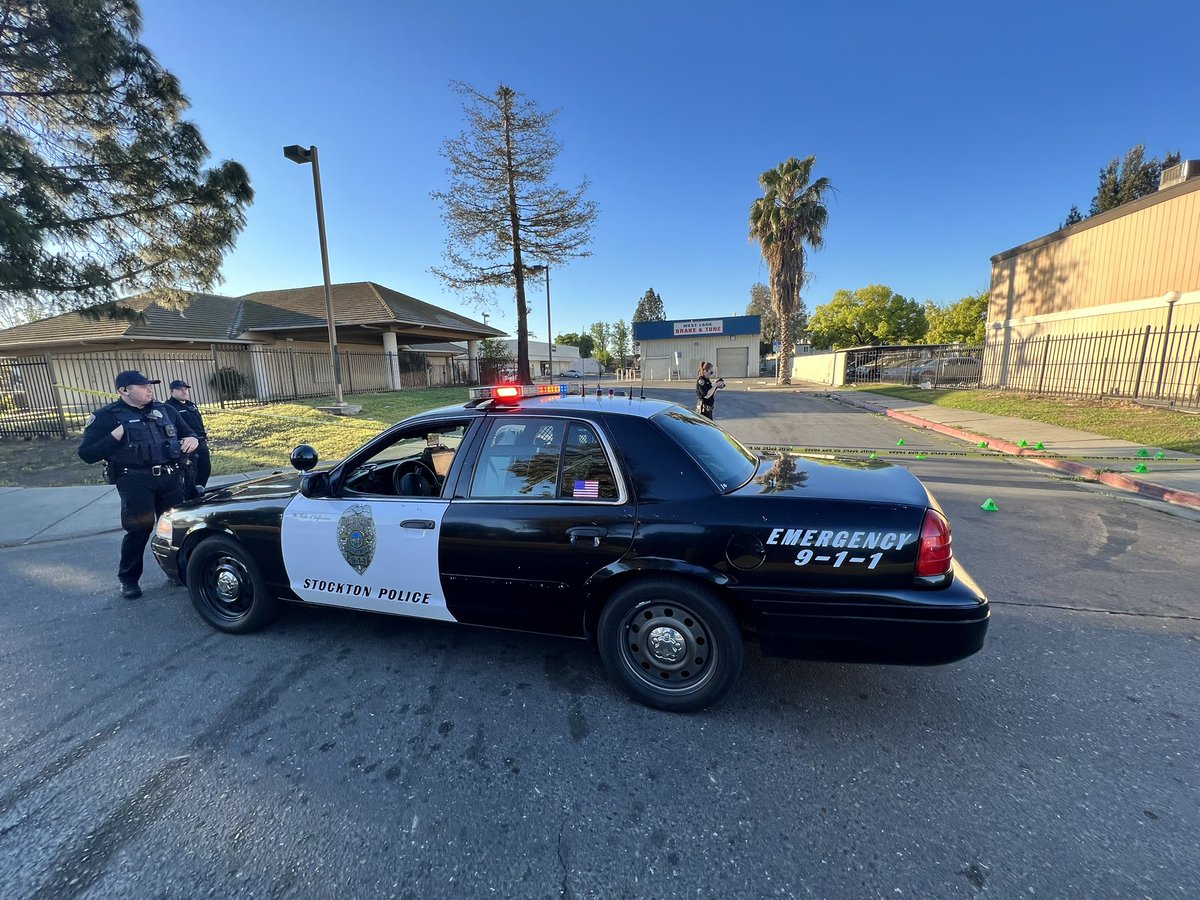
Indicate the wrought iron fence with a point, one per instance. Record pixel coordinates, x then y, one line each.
937 364
53 394
1146 364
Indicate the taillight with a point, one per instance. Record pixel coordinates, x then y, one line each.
934 553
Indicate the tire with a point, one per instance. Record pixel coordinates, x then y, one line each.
227 588
699 630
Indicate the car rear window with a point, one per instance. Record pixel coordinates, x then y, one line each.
727 462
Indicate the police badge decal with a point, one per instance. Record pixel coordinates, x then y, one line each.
356 536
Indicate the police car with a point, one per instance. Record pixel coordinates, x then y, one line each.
627 521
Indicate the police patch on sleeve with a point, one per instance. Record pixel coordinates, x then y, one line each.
356 536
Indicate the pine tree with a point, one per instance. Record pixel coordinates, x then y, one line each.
650 308
102 185
1124 180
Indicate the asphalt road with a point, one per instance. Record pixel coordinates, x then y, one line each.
345 755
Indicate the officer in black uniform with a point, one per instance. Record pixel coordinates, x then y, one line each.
143 442
198 465
706 389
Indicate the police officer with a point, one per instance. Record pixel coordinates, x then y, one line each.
706 389
198 465
143 442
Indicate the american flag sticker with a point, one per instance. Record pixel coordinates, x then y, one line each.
587 489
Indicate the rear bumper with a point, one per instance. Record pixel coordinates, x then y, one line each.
907 627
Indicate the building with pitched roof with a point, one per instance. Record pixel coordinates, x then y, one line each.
271 343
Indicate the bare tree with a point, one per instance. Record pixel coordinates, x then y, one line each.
501 209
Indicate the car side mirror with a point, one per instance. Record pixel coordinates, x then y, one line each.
315 484
304 457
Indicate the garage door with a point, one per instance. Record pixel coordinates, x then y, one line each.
657 368
733 362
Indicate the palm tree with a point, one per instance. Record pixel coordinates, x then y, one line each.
790 214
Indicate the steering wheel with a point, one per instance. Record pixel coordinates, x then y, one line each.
426 480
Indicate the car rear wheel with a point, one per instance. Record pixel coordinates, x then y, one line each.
671 644
227 588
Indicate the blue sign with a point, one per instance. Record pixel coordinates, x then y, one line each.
777 346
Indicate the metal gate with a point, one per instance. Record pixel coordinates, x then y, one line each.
28 402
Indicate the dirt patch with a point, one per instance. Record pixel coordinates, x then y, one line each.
44 462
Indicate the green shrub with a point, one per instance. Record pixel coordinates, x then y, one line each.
229 383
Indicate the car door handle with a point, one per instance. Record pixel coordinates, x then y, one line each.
417 523
585 531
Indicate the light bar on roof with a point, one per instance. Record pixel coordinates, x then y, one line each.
516 391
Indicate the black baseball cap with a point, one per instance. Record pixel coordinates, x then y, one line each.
132 376
179 383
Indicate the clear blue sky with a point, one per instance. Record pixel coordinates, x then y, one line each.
951 131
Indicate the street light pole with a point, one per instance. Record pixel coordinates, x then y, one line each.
300 155
549 333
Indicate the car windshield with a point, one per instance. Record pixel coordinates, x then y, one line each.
727 462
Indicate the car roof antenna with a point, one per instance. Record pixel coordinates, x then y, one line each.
642 393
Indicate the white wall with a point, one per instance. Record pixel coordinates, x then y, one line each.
820 368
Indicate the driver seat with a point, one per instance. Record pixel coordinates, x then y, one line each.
415 484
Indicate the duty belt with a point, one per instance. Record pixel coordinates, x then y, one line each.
165 469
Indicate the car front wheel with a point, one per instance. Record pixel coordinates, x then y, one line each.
671 644
227 588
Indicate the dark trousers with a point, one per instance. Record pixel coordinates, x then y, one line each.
144 497
198 468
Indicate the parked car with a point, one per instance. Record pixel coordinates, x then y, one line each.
868 371
570 373
898 371
630 522
948 370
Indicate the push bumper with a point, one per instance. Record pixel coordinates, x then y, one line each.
167 557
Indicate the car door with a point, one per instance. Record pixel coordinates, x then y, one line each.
543 509
366 547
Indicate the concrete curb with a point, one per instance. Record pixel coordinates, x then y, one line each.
1138 486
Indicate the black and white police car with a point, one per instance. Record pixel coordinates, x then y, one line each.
630 522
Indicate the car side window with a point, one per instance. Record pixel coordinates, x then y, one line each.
586 472
520 459
543 459
414 464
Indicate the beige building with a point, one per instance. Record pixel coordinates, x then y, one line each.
1128 279
674 349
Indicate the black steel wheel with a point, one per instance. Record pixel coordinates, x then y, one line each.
671 644
227 589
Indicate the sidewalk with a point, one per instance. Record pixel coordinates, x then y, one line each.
35 515
1174 478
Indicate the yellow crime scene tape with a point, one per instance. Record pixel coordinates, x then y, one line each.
968 454
340 421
